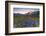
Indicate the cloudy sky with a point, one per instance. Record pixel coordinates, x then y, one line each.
24 10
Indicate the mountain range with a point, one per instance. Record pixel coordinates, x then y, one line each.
35 14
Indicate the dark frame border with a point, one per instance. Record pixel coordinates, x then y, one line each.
6 18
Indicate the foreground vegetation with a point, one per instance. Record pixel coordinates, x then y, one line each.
26 21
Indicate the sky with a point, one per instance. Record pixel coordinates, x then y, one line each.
24 10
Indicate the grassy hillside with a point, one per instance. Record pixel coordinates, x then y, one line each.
26 21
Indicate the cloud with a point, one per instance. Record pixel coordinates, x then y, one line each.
24 10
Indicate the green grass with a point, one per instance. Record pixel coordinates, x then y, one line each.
34 25
19 19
